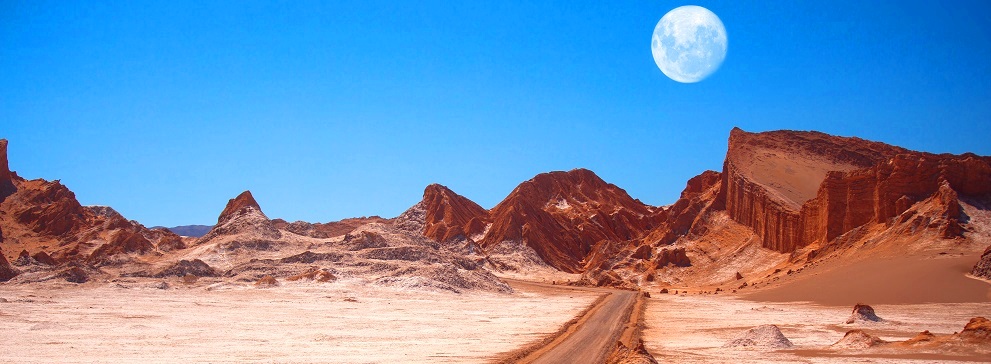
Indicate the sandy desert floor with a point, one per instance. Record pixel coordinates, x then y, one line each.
693 329
341 322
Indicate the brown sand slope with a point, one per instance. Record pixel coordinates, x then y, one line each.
905 279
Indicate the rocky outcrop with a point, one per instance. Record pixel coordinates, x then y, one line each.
242 216
325 230
561 215
123 242
49 209
6 176
675 256
978 329
184 267
797 188
44 258
863 313
41 215
450 215
638 354
982 268
768 176
850 199
6 271
73 274
701 195
167 240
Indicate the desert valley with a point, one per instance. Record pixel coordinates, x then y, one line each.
805 247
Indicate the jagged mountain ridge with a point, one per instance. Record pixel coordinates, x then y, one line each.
779 192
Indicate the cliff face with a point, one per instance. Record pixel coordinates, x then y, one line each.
876 194
450 215
797 188
561 215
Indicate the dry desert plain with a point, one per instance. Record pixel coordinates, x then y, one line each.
350 321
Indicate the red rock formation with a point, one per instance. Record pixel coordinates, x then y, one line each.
326 230
561 215
48 208
167 240
6 176
797 188
768 176
242 215
41 215
44 258
450 215
978 329
238 206
850 199
6 271
675 257
123 242
701 194
982 268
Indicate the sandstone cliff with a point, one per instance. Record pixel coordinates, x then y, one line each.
798 188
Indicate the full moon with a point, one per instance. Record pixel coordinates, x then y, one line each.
689 43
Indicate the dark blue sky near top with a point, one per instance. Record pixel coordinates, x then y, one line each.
326 110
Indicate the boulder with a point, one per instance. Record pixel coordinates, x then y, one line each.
863 313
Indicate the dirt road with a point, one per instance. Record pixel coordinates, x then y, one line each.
591 337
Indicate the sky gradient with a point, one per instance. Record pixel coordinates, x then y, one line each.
326 110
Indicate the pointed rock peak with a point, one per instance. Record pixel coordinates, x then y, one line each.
243 201
449 215
436 189
6 177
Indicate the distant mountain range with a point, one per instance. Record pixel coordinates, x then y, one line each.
189 230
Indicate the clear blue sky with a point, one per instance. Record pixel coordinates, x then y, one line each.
325 110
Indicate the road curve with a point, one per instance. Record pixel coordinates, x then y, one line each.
594 335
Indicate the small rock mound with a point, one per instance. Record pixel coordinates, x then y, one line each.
922 337
858 339
184 267
625 355
764 336
319 275
863 313
44 258
74 275
267 281
979 328
190 278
